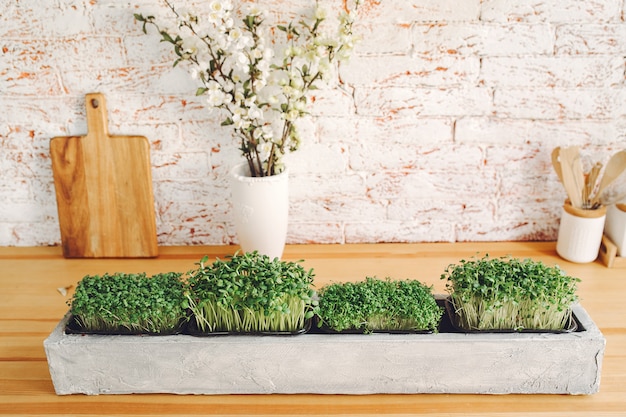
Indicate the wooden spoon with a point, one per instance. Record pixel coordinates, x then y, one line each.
614 168
573 177
556 163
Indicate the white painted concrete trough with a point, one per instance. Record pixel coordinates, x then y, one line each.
445 362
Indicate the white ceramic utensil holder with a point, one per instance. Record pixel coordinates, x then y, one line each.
615 227
580 233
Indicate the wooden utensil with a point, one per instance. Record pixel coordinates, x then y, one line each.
573 177
590 184
104 193
614 168
556 163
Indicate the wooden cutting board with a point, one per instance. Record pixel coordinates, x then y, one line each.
104 193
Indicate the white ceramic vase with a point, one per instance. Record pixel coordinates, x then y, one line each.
260 210
580 233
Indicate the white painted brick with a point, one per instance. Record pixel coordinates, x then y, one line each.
326 102
399 130
549 72
521 217
197 232
591 39
195 212
560 103
26 17
399 232
423 101
403 11
532 158
30 83
7 235
312 233
383 38
424 211
592 11
483 39
551 133
313 186
522 230
23 212
25 110
169 80
14 190
441 129
118 17
165 137
41 190
192 190
181 165
381 157
33 233
440 185
149 108
321 158
146 51
86 52
528 219
405 70
339 209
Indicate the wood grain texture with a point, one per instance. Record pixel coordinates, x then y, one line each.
104 193
31 307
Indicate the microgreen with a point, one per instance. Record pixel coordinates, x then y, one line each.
376 304
509 293
249 293
133 302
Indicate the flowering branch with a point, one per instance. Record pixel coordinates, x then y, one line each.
261 95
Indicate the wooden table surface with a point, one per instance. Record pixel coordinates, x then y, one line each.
31 305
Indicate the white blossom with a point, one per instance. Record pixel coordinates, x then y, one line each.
261 93
320 13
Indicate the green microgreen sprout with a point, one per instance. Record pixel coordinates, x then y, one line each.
378 305
250 293
510 294
134 302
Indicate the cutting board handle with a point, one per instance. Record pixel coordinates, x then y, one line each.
97 120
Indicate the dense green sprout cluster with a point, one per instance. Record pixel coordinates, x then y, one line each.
250 292
376 304
134 302
509 293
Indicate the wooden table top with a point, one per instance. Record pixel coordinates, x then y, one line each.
31 305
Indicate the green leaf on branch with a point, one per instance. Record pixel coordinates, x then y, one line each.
166 37
249 22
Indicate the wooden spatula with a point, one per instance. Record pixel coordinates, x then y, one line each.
104 193
613 169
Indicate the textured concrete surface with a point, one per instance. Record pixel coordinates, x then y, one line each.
329 364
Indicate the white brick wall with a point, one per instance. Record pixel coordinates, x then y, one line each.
442 132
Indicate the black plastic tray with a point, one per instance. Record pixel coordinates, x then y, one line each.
328 330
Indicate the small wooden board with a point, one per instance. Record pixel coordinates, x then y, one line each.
608 254
104 192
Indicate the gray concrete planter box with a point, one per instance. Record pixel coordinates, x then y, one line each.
491 363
